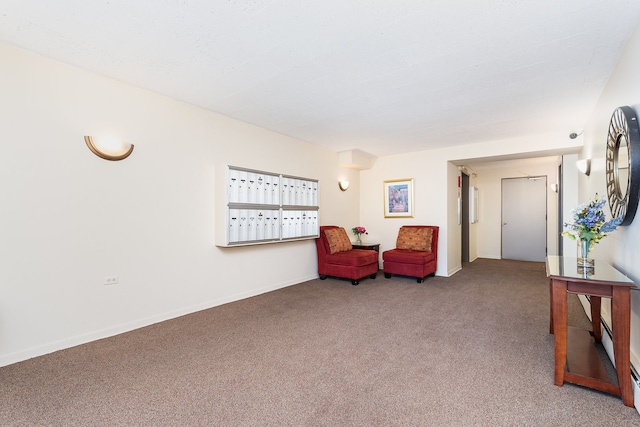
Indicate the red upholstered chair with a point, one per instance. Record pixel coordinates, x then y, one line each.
416 253
337 258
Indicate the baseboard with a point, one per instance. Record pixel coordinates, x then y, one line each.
58 345
454 271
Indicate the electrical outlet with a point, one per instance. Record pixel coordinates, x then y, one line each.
111 280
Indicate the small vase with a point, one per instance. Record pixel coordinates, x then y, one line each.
358 239
584 246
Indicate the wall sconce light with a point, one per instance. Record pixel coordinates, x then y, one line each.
343 185
584 166
109 148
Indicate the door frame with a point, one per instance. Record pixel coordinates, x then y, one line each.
464 206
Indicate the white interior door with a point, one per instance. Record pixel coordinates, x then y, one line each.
524 218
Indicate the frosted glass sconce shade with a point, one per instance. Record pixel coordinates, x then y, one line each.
343 185
584 166
109 148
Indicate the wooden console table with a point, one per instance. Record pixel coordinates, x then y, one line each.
580 363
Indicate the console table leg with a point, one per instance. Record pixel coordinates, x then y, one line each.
559 308
596 303
551 306
620 329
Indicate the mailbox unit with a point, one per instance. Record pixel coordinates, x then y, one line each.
257 207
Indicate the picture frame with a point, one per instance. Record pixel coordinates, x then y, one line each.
398 198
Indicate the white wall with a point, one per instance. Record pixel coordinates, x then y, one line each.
621 247
430 197
569 199
436 181
69 218
489 181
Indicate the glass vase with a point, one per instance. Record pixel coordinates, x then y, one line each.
584 246
358 239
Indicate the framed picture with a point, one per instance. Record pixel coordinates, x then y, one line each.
398 198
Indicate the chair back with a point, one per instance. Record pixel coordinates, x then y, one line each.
434 236
322 244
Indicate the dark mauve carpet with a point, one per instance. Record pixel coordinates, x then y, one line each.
470 350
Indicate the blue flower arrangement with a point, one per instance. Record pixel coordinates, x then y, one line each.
589 222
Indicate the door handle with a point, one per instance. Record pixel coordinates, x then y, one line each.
504 223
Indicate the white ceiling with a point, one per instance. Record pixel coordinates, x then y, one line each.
385 77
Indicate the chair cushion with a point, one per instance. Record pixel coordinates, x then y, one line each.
338 240
407 256
353 258
414 239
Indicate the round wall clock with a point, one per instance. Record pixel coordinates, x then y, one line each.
623 164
